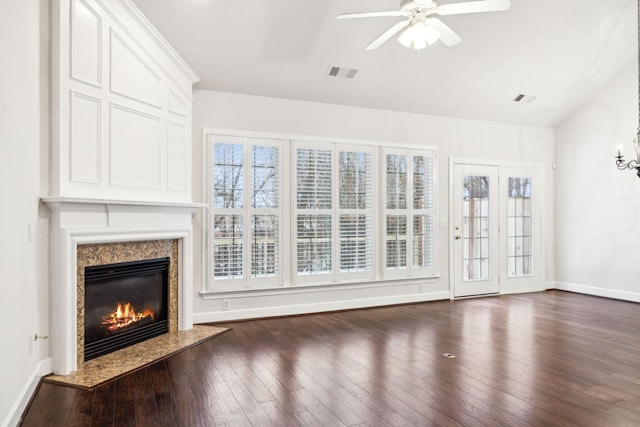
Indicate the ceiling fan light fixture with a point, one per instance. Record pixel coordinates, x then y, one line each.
419 35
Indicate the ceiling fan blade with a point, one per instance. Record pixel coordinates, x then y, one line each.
388 34
369 14
447 35
473 7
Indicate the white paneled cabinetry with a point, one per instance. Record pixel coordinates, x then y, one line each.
121 106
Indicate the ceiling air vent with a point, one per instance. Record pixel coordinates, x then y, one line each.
341 72
521 97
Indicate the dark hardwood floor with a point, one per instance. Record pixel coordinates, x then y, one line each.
544 359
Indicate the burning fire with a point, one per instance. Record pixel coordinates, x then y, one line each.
124 315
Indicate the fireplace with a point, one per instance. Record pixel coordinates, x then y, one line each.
125 303
115 266
89 232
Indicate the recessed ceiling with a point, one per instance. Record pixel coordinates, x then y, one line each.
559 52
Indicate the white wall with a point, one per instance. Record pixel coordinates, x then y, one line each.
456 138
598 207
22 262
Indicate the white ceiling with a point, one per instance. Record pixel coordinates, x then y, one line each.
559 51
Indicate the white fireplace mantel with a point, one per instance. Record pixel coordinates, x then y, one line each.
57 203
79 221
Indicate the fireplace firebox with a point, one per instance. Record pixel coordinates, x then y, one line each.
125 303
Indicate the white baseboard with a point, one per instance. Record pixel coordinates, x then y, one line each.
597 291
520 291
288 310
14 417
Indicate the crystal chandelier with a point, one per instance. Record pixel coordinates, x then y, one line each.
633 163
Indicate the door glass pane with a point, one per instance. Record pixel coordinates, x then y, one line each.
519 251
475 232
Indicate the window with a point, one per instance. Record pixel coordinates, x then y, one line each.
245 211
409 212
519 227
316 221
334 212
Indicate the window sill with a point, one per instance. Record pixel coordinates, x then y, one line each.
310 288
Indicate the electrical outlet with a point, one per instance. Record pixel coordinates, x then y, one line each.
225 304
420 288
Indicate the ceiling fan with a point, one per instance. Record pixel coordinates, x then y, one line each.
423 29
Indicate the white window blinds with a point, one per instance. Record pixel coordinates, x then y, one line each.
355 210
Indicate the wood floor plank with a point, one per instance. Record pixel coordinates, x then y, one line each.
162 391
542 359
124 402
104 405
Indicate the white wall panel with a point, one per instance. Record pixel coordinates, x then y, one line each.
135 148
85 138
116 87
131 75
86 52
177 157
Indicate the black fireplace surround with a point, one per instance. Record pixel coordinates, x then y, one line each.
140 288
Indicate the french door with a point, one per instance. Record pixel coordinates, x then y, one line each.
476 220
497 221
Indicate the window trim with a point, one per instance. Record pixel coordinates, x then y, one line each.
410 212
335 275
246 281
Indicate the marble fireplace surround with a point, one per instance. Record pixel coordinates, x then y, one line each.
87 231
111 253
